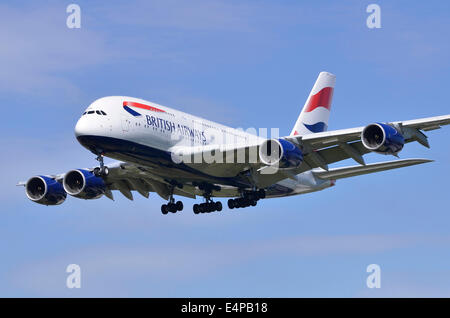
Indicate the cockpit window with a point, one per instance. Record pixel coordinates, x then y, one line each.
98 112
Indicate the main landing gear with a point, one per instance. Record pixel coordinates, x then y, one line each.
172 206
101 171
209 205
247 199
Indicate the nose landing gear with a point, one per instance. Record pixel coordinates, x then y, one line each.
101 171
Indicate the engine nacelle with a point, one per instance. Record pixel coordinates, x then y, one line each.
84 184
382 138
280 152
45 190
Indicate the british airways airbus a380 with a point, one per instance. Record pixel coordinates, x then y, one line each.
171 153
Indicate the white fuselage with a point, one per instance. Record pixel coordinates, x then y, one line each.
134 130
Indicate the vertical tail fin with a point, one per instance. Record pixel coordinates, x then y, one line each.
316 112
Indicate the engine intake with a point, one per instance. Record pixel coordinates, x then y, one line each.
45 190
280 152
83 184
382 138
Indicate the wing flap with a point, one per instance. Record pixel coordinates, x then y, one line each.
346 172
428 123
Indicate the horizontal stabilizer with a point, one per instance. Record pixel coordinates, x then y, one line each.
345 172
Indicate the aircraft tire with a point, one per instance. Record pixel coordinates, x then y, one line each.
196 209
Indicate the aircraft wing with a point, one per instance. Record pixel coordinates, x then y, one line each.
336 145
319 149
346 172
126 177
324 148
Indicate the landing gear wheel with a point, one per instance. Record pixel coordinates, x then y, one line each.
172 207
261 193
231 204
101 172
207 207
196 209
104 171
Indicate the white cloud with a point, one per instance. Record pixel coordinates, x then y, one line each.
41 56
38 47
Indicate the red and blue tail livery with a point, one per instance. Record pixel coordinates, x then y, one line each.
320 99
316 112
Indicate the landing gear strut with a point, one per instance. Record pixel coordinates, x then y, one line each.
101 171
172 206
247 199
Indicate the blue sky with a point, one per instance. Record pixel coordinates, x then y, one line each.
245 64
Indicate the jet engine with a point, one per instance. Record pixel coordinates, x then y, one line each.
382 138
83 184
45 190
280 152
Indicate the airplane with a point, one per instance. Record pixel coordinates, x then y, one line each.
162 150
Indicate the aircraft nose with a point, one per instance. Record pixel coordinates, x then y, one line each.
82 127
89 126
88 131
